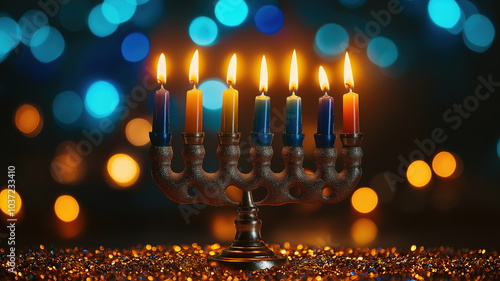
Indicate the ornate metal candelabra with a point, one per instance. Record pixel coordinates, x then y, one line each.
248 251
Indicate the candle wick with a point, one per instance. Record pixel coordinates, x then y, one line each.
161 86
348 87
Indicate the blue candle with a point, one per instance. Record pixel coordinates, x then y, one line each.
325 137
293 135
261 120
325 115
161 122
160 136
293 115
325 110
262 114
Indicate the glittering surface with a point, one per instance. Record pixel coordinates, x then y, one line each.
189 263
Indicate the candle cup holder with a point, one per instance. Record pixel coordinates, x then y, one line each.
248 251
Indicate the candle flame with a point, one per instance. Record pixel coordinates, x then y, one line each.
323 80
263 75
294 75
231 71
193 69
348 80
161 74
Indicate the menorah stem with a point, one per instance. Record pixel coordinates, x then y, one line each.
248 251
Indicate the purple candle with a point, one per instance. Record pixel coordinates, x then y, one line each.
325 110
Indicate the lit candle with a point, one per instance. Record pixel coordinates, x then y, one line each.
229 120
293 135
160 135
262 111
194 101
325 110
293 102
351 101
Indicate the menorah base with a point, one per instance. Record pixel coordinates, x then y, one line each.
247 258
248 251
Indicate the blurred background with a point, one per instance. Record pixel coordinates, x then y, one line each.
76 87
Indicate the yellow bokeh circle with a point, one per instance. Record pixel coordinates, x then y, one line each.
419 173
364 200
5 198
444 164
123 169
66 208
363 231
137 131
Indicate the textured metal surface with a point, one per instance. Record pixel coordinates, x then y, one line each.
248 251
212 186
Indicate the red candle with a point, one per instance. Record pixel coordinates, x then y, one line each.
350 101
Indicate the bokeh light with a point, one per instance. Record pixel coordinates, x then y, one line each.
363 231
123 169
66 208
4 201
498 148
444 164
223 226
137 131
68 167
419 173
382 51
148 13
364 200
231 12
444 13
212 93
73 14
47 44
467 9
135 47
203 31
101 99
269 19
28 120
10 35
67 107
478 33
118 11
331 39
98 24
234 193
352 4
30 22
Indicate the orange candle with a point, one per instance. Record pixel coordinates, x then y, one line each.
194 101
350 101
229 119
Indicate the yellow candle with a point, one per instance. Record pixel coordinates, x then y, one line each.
350 101
194 101
229 119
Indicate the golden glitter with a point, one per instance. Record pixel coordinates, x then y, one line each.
190 263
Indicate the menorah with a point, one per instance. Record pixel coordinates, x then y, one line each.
248 251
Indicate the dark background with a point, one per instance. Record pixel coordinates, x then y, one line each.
398 105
